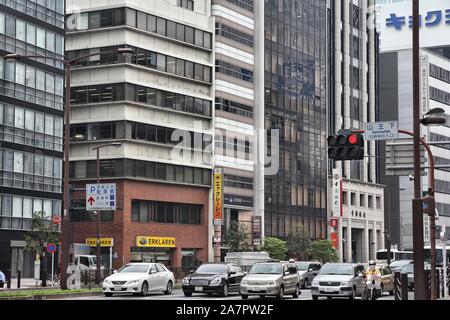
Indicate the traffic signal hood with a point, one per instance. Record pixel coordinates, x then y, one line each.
342 147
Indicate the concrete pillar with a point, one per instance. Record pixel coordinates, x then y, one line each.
348 243
375 239
340 243
365 249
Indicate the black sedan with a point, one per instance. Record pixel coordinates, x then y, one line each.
213 278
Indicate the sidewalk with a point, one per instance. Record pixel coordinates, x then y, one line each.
27 284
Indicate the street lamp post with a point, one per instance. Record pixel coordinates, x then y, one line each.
67 110
98 247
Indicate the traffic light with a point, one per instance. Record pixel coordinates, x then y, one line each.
346 146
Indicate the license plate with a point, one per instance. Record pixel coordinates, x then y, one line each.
117 288
329 290
257 289
198 289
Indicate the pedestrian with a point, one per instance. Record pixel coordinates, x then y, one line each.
2 279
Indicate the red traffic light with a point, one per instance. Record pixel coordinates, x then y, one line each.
353 139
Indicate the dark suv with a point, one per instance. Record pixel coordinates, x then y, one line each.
211 278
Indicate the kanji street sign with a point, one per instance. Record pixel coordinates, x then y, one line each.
377 131
101 197
51 248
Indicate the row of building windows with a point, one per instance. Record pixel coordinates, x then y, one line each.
140 169
440 96
244 4
24 82
146 58
30 171
142 21
443 209
17 212
362 200
137 131
31 34
31 128
50 11
442 186
234 147
234 107
135 93
165 212
439 73
233 181
234 34
234 71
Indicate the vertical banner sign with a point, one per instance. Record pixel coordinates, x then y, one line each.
334 239
425 91
426 228
337 193
218 197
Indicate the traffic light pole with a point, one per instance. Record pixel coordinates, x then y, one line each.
418 226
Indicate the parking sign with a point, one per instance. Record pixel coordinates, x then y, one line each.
101 197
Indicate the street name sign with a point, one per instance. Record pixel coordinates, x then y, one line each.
101 197
378 131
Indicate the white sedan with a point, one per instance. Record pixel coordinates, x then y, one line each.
139 279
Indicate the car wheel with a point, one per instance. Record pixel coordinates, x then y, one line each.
315 298
305 284
244 297
168 288
352 297
280 295
144 289
296 293
187 294
262 297
107 294
225 290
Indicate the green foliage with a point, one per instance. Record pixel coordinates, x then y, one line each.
42 231
298 243
276 248
323 251
236 238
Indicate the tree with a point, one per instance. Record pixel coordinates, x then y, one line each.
236 238
276 248
298 243
42 232
323 251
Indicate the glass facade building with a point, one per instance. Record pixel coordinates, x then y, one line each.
295 104
31 123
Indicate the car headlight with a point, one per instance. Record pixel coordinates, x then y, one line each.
345 284
272 282
107 281
216 281
186 280
244 282
315 282
133 282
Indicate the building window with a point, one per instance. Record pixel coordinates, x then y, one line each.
362 200
378 200
370 202
344 198
164 212
187 4
353 199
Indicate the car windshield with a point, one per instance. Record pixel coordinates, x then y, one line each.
399 263
130 268
212 269
336 269
302 266
408 268
266 268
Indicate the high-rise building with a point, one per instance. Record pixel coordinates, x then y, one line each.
236 115
158 104
31 124
353 52
296 105
396 100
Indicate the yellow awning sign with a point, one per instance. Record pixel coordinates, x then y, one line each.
104 242
155 242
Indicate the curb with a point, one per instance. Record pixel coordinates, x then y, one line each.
52 296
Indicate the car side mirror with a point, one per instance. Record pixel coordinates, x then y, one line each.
361 275
114 271
245 273
192 271
152 271
310 269
232 272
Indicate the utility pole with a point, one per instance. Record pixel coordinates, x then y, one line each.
420 292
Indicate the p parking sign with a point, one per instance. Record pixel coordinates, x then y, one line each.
101 197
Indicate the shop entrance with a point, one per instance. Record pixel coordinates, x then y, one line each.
163 256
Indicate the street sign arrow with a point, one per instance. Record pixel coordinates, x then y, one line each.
91 200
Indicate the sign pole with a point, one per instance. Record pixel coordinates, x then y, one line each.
53 265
